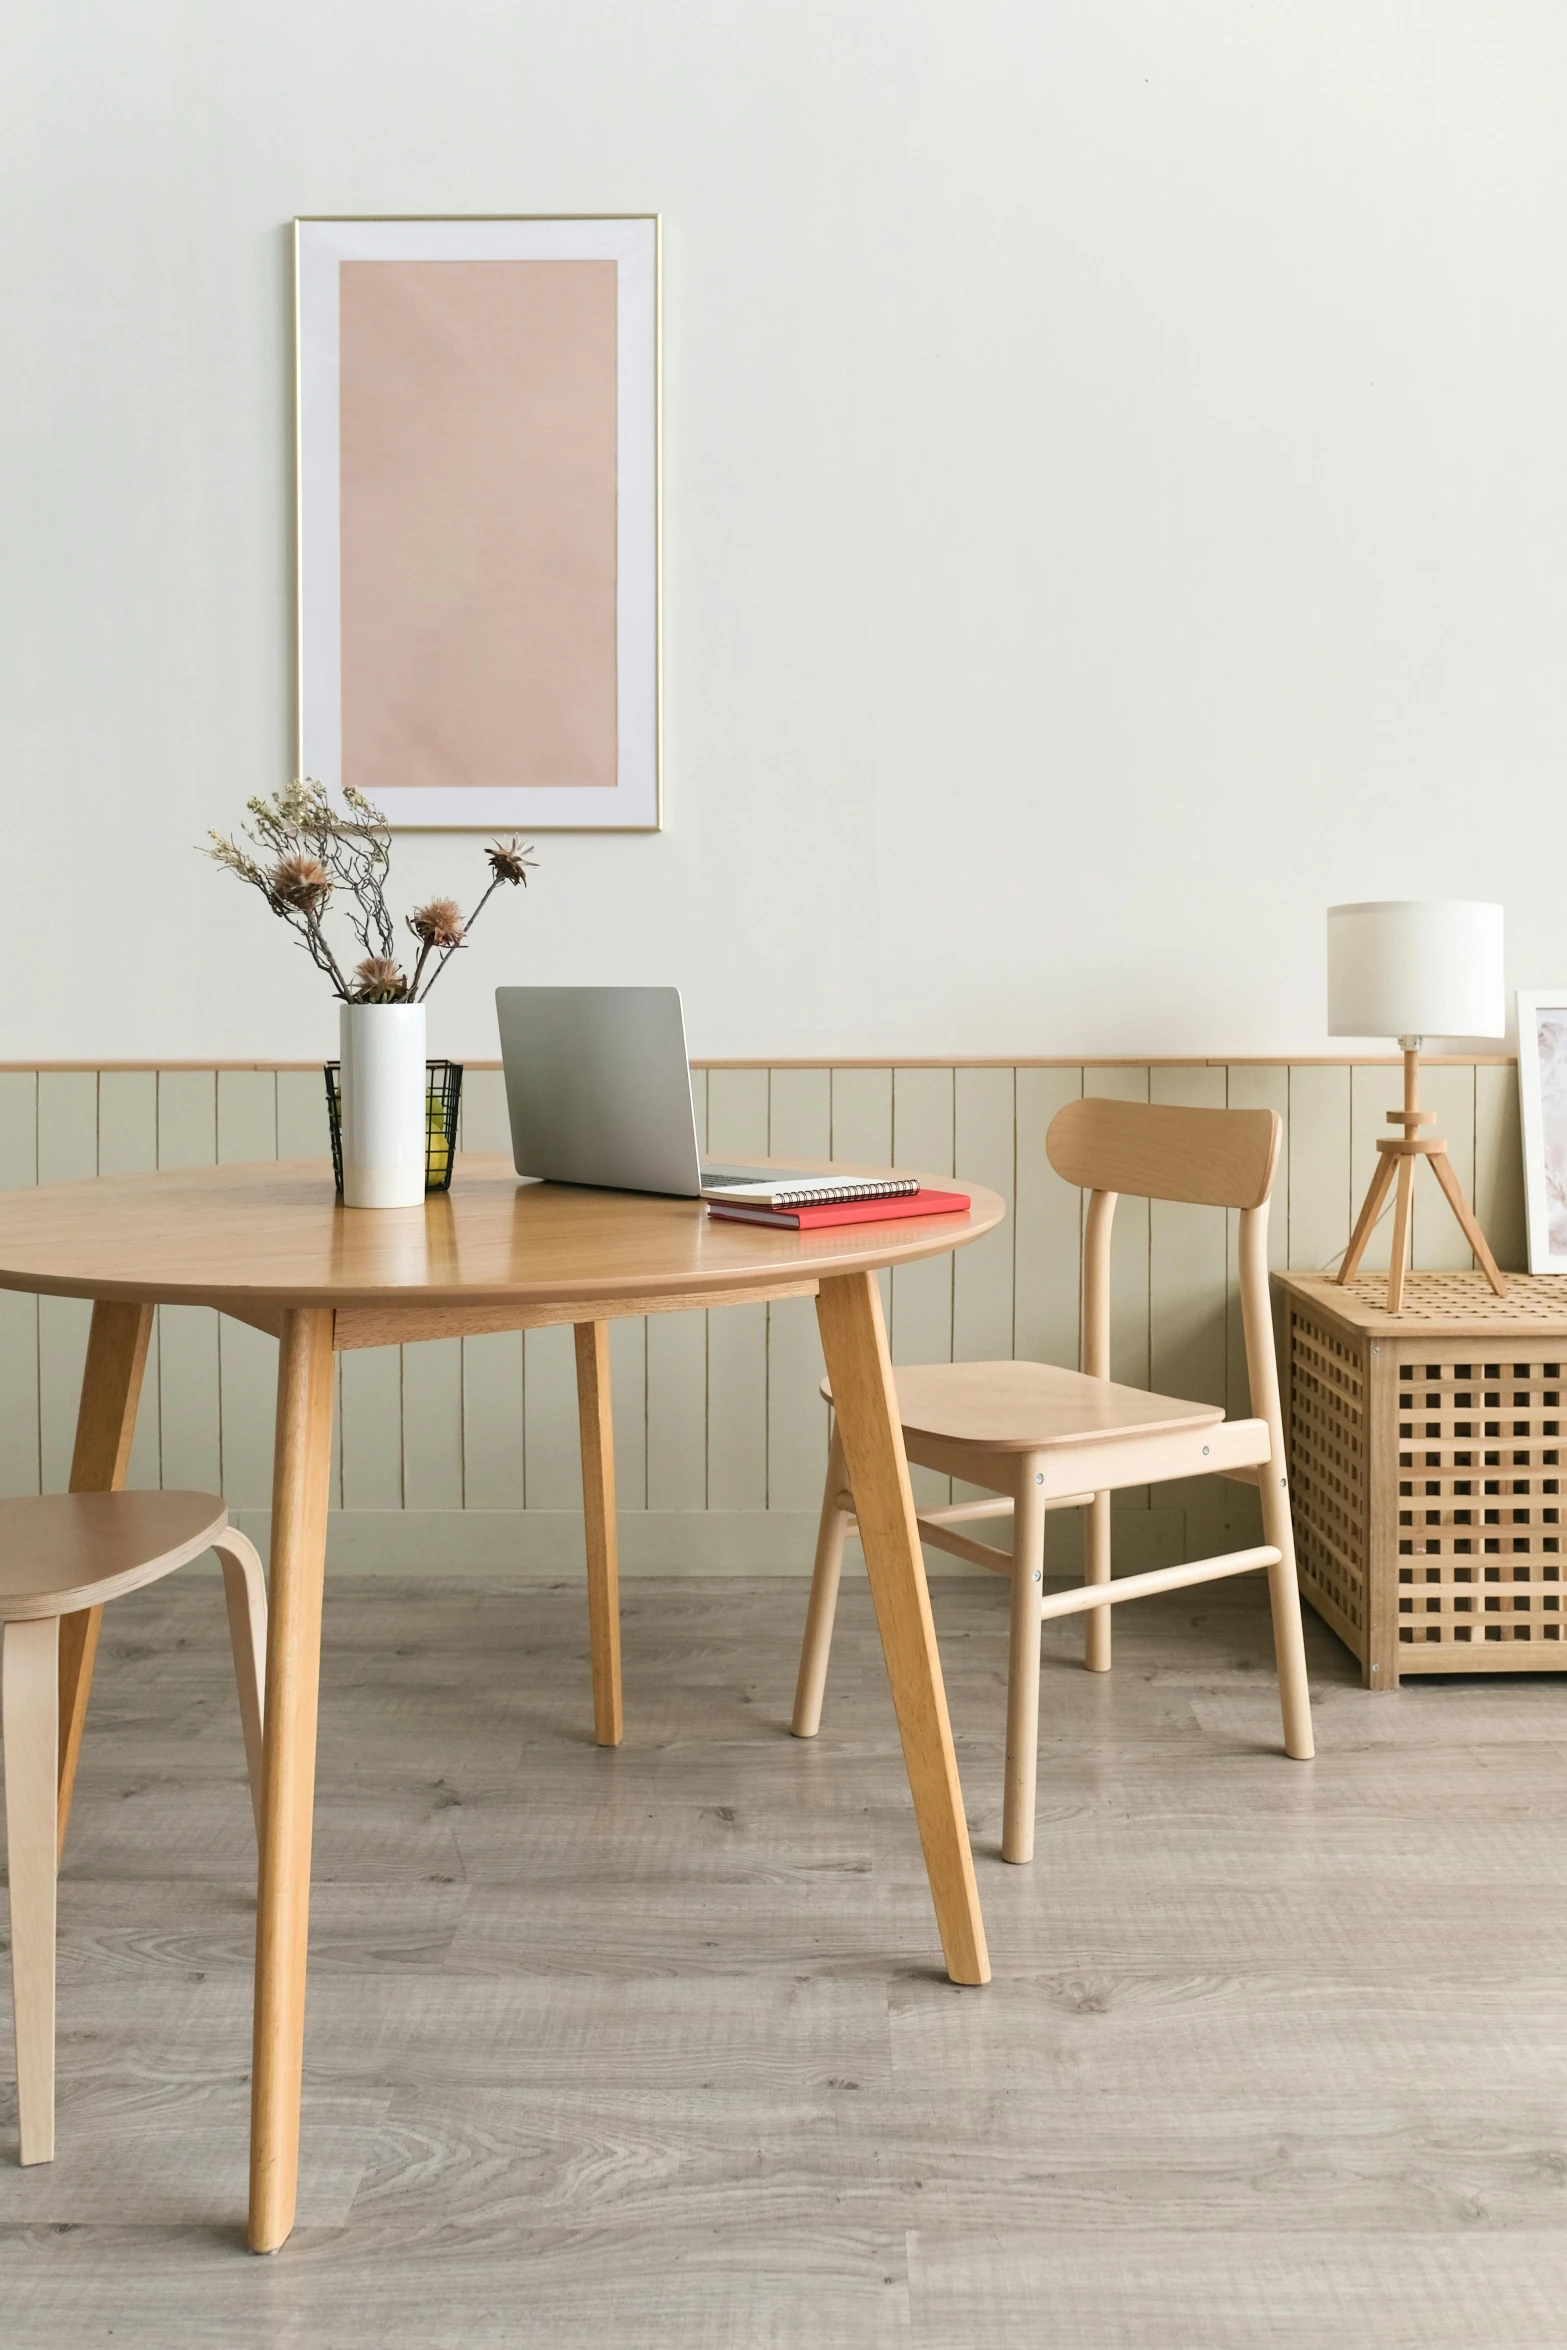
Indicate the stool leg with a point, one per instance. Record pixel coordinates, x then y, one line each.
245 1594
30 1724
817 1644
1028 1571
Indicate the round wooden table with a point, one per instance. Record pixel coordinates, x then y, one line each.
270 1246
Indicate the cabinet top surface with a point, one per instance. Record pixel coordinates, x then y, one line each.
275 1234
1437 1303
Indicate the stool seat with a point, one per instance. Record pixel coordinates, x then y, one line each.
60 1552
63 1555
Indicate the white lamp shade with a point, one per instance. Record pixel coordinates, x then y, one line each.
1416 967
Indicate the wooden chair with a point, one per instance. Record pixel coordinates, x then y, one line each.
1042 1438
59 1555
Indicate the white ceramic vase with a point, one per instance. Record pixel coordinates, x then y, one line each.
385 1119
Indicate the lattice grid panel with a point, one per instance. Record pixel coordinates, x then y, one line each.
1328 1425
1479 1501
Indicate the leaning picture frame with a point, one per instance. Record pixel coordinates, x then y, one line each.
478 518
1542 1097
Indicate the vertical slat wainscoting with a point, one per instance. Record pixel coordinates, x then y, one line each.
466 1451
67 1150
19 1465
1439 1244
1498 1191
921 1331
737 1335
1317 1142
799 1125
128 1145
1128 1310
1188 1350
247 1359
677 1387
492 1412
302 1134
984 1297
188 1335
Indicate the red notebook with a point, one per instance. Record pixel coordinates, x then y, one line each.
846 1211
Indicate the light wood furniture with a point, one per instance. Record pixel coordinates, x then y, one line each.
269 1246
1426 1468
62 1558
1399 1155
1041 1438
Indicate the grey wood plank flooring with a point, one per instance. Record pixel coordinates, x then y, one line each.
652 2048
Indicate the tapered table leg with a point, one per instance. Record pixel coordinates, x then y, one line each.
300 1478
598 1507
854 1341
105 1425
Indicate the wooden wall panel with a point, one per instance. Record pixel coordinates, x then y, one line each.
192 1452
128 1145
19 1470
921 1324
1439 1244
799 1115
67 1150
1318 1143
737 1335
1372 1093
1188 1299
718 1419
1498 1191
247 1359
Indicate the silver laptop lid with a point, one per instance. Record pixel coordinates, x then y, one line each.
598 1086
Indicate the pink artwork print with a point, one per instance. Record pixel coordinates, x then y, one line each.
477 495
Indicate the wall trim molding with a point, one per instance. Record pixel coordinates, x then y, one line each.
885 1061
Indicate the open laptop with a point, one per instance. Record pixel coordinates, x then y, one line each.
599 1091
598 1087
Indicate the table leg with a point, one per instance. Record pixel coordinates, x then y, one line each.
105 1425
598 1506
300 1478
854 1341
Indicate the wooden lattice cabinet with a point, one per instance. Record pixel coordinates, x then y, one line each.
1425 1468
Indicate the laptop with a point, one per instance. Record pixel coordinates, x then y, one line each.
598 1088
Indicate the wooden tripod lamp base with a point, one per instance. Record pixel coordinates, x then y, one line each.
1399 1156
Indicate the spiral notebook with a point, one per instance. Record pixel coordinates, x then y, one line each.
775 1187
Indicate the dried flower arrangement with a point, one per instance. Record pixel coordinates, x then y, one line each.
303 852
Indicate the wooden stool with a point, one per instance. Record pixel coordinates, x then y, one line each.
61 1554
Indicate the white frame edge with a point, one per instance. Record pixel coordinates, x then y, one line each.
1531 1002
634 241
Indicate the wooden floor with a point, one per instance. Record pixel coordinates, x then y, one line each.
650 2048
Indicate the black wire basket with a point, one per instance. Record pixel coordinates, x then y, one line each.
443 1093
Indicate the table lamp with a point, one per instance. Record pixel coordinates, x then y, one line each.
1413 968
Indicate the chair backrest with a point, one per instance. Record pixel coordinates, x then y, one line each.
1153 1150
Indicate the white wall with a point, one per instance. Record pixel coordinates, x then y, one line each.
1115 497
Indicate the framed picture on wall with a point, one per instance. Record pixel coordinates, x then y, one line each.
1542 1093
478 519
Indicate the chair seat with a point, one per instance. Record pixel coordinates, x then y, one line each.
60 1552
1032 1407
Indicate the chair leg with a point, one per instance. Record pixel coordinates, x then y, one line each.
245 1593
30 1725
1028 1571
817 1645
1096 1540
1289 1639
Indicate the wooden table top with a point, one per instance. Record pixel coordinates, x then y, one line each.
274 1235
